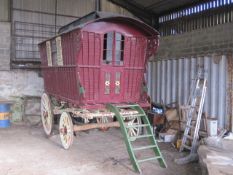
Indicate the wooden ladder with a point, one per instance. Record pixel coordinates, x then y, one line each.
129 139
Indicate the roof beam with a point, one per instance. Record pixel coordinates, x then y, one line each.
138 11
157 4
184 6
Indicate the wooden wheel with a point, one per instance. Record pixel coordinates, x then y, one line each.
66 130
134 130
104 120
46 114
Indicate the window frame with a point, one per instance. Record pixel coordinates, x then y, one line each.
54 52
49 53
113 49
59 51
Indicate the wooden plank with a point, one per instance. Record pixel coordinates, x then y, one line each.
95 125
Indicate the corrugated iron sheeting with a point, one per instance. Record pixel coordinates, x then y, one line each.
170 81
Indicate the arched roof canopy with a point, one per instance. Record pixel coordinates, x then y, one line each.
111 17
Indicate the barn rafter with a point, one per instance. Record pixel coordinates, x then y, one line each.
150 10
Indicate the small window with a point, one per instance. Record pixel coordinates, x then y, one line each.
119 49
48 50
54 52
59 51
113 50
108 46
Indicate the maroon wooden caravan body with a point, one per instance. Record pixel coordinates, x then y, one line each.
94 77
98 59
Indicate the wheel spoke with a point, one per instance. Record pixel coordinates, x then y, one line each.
136 131
133 130
104 120
130 133
132 121
45 104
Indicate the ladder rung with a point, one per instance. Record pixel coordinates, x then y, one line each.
133 126
144 147
127 106
121 112
189 126
149 159
142 136
189 137
187 147
132 115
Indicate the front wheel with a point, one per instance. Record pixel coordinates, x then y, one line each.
66 130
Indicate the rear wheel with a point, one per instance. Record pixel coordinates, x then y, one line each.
133 130
46 114
66 130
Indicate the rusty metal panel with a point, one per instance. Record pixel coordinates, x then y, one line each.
174 84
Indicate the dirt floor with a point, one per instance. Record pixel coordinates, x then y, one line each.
25 150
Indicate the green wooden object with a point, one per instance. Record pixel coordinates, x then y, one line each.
81 90
152 139
128 139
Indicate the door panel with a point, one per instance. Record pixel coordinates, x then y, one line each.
111 85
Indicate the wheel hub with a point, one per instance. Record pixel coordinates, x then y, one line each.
63 130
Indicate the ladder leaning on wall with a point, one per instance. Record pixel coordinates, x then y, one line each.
195 109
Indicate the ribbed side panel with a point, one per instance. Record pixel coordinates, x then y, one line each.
170 81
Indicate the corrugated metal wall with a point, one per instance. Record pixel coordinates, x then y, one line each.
170 81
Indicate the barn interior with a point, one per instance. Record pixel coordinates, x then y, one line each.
195 42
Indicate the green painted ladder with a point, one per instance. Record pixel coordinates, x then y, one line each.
128 140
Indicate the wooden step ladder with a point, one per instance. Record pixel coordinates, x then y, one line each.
129 139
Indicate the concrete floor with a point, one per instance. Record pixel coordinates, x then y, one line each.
25 150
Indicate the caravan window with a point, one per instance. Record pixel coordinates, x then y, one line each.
113 48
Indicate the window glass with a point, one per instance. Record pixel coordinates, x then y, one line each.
119 49
108 45
113 48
